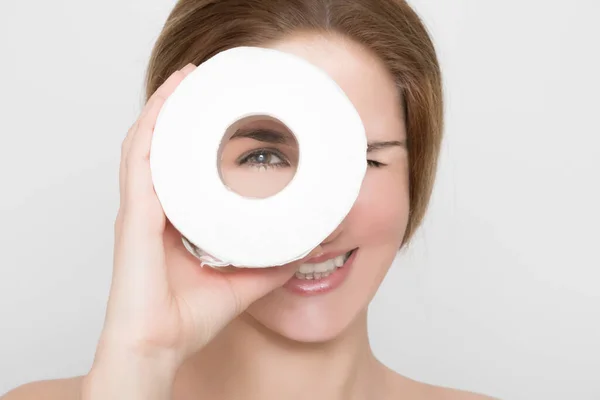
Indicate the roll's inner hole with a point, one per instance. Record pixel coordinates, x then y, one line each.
258 156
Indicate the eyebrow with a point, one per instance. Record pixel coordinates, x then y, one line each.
374 146
263 135
276 137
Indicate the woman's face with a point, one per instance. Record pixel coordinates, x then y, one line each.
376 224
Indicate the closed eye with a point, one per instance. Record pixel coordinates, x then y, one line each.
375 164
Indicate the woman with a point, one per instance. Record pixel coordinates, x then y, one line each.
175 330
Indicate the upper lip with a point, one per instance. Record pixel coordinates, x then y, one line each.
324 257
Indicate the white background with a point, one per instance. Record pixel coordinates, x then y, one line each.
498 294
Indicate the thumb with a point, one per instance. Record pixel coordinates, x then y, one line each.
250 284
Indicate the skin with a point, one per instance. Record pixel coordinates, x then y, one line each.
209 334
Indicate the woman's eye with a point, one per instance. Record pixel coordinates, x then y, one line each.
264 158
376 164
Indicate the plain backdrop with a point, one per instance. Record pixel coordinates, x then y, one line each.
499 292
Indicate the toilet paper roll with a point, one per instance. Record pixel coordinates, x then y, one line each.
249 232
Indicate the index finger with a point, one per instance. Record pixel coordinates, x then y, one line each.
136 174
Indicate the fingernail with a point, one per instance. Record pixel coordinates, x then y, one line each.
188 68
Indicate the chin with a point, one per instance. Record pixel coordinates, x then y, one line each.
308 323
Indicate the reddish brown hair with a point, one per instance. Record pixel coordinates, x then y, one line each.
198 29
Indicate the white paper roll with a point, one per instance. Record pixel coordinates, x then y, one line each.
249 232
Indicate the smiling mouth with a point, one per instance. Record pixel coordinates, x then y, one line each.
323 269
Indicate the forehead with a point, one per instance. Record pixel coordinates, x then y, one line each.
362 76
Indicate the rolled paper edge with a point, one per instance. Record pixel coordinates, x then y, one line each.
214 262
204 257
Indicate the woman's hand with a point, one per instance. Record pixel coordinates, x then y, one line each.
163 306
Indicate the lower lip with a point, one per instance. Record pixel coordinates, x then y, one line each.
312 287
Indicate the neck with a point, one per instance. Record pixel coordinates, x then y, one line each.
248 361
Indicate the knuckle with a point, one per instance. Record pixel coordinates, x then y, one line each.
160 98
128 163
132 128
124 146
237 303
118 222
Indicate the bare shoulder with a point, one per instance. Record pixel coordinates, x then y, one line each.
402 387
442 393
57 389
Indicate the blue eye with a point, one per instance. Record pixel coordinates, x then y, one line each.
264 158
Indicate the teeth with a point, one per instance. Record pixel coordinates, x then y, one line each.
320 267
316 275
339 261
323 269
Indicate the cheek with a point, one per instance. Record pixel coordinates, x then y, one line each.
254 182
380 214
